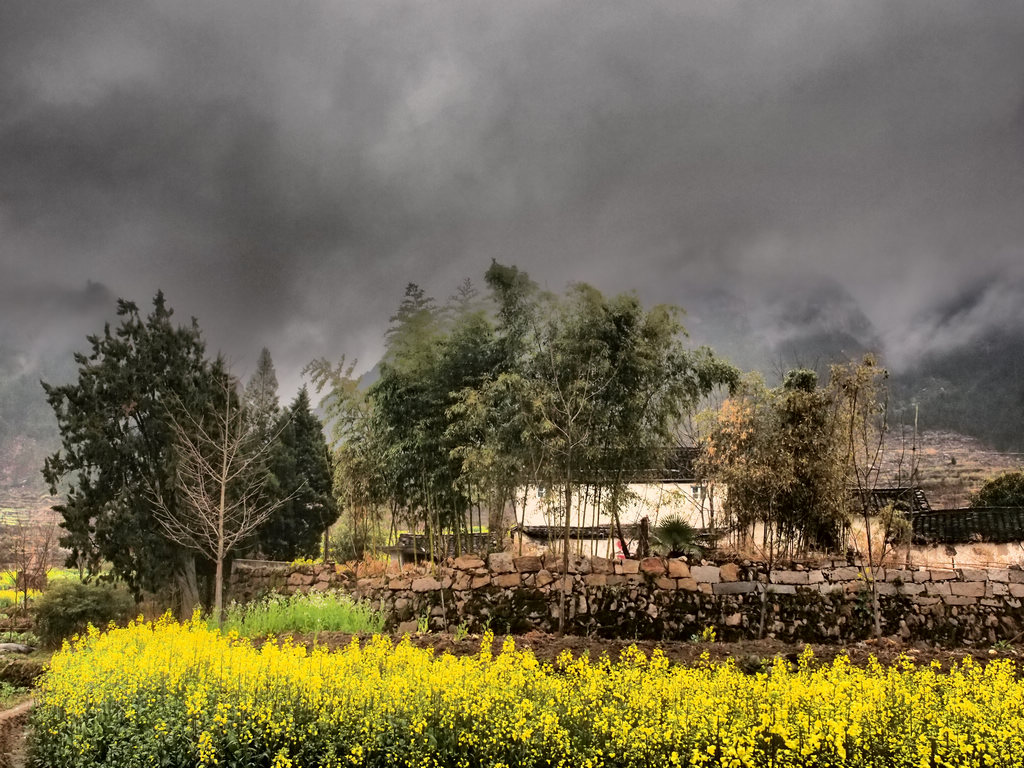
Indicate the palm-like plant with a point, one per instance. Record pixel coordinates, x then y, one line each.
676 536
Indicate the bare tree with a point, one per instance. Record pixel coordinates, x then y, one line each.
28 549
222 480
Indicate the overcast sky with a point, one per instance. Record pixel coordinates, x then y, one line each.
282 168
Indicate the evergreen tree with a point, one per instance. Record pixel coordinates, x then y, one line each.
117 445
302 470
260 399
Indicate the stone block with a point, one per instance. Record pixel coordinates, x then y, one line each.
479 581
320 586
968 588
1016 590
827 588
403 609
463 581
782 589
627 566
921 575
426 584
926 601
613 580
602 565
500 562
959 600
468 563
729 572
972 574
734 620
999 574
544 578
815 577
653 566
505 580
596 580
677 569
527 564
847 573
996 589
911 588
1015 575
705 588
896 574
397 585
886 588
942 574
938 588
706 574
734 587
664 582
789 577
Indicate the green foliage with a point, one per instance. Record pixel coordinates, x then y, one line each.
69 607
10 694
676 537
302 478
471 408
1004 491
309 614
117 443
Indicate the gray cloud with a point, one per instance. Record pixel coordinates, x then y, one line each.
282 169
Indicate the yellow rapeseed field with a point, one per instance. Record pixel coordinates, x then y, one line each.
165 694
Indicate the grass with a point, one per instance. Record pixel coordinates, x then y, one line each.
11 695
318 612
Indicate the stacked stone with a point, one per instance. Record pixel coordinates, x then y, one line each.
671 598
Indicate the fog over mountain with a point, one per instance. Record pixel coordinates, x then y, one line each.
807 179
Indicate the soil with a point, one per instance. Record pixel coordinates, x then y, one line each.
749 655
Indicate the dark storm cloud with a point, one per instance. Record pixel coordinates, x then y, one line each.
282 169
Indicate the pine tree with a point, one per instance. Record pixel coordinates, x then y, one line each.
260 399
302 470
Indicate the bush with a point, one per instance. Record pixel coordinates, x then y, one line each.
1003 491
69 607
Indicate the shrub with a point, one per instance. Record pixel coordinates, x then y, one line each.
1004 491
69 607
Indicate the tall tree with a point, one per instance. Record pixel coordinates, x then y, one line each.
606 377
301 469
860 396
262 410
220 475
117 443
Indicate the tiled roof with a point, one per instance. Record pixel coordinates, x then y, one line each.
909 499
996 525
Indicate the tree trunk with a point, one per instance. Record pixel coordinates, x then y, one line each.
188 587
565 557
872 577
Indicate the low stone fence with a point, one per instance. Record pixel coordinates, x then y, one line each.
657 598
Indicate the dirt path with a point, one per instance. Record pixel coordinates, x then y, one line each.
13 724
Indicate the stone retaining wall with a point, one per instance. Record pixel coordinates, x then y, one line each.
659 598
